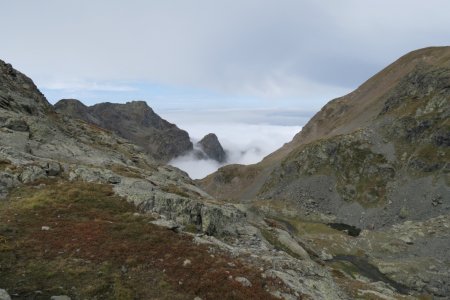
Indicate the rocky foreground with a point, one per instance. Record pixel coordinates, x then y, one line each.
86 214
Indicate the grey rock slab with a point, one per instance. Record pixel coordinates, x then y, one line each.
169 224
288 241
4 295
32 173
243 281
61 297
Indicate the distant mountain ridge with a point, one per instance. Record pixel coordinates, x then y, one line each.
135 121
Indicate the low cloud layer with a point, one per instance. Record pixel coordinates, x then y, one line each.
244 143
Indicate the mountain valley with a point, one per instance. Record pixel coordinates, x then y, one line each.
356 206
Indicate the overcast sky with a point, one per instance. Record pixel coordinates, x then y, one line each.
244 54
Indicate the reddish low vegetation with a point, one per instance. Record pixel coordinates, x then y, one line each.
97 247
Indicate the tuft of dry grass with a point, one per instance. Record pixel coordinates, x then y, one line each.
4 163
173 189
126 171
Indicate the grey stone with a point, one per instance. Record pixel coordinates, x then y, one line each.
61 297
187 262
53 169
114 179
7 181
289 242
4 295
17 125
166 223
243 281
32 173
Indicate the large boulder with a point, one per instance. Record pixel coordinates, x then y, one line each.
4 295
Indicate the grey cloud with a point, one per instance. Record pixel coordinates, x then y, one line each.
273 48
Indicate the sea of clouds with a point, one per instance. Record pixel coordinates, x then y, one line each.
244 144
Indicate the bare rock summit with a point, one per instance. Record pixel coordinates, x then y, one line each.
213 149
135 121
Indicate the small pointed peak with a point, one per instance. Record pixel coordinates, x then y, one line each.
212 147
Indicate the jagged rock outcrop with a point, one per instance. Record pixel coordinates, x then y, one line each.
212 148
18 93
135 121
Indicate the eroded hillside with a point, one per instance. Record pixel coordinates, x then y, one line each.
378 160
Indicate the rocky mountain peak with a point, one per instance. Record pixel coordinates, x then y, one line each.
19 93
76 108
211 146
135 121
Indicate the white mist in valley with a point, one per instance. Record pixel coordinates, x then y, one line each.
244 144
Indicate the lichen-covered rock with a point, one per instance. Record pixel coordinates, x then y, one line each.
213 219
19 94
290 243
7 181
90 174
4 295
32 173
17 125
53 168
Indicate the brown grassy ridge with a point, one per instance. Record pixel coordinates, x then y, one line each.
98 248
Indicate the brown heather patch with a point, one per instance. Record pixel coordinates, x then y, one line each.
126 171
4 163
97 247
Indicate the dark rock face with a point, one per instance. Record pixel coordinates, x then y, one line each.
75 108
18 93
135 121
213 149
